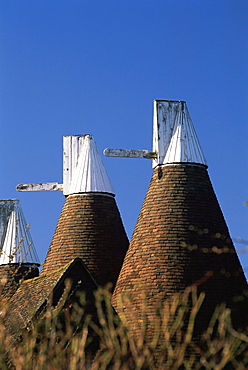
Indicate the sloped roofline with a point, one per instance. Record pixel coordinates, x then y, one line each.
22 308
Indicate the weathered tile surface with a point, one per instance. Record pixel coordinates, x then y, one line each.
180 239
33 294
90 228
12 275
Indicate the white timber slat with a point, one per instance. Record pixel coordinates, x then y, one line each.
163 120
8 252
44 186
128 153
72 146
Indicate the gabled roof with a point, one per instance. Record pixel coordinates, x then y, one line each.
174 136
16 242
84 170
35 293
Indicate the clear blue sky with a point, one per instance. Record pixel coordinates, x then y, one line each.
77 66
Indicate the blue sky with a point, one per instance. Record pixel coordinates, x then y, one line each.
79 66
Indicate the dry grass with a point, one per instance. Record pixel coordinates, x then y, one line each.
62 339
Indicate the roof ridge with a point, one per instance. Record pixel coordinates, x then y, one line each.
64 267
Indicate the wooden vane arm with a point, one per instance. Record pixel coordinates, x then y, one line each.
129 153
45 186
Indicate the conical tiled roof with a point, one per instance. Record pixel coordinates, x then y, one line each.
181 238
90 226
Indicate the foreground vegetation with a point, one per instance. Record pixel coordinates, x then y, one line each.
65 338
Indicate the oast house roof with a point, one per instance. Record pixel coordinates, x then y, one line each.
180 238
90 225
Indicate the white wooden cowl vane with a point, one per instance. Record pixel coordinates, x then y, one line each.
83 169
174 137
16 245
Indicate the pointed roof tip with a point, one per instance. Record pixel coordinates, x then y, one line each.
174 136
84 171
16 245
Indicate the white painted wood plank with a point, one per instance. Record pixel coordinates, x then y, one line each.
40 186
66 162
129 153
